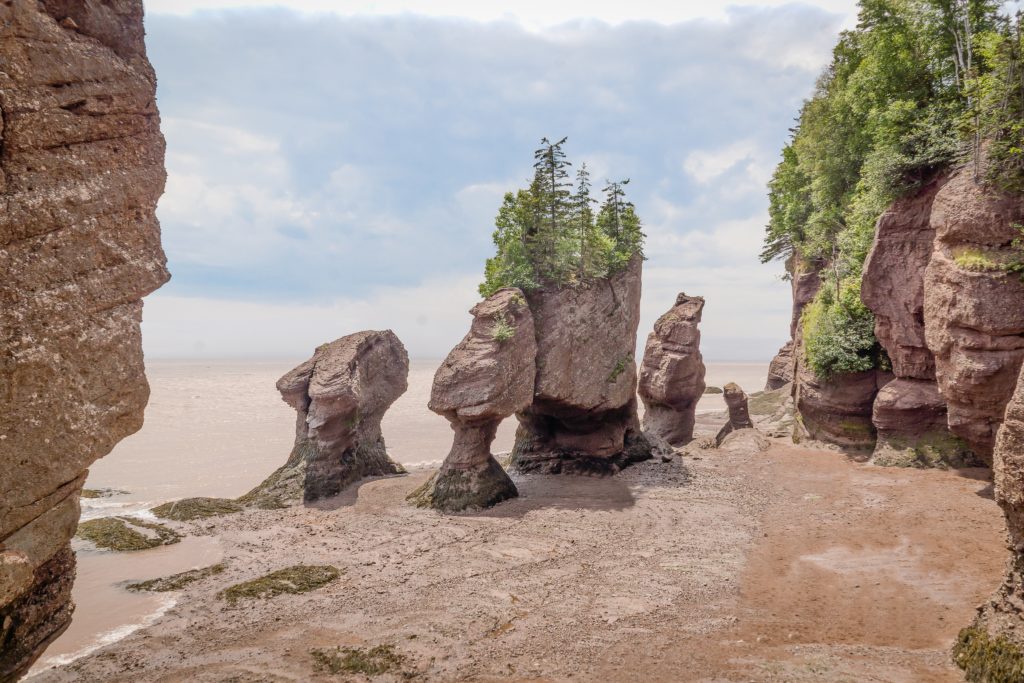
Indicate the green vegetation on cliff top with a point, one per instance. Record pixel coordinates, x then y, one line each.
915 88
550 234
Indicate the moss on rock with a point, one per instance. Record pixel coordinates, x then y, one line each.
712 390
101 493
126 533
188 509
296 579
939 449
454 490
987 659
176 582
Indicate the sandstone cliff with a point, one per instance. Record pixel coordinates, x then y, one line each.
81 169
909 413
973 309
584 411
672 372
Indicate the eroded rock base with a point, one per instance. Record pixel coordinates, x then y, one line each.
455 490
328 474
38 616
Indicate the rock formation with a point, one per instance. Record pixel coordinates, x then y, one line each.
909 413
739 411
584 412
486 378
780 371
340 396
973 309
672 372
81 170
998 631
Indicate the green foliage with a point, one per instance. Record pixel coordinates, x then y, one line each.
550 234
503 330
839 331
977 261
986 659
915 87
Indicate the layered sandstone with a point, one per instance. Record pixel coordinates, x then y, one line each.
81 170
672 372
584 411
780 371
340 396
973 308
909 413
485 379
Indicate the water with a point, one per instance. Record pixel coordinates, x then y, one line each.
218 428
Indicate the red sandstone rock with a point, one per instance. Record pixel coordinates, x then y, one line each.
340 396
974 320
672 372
489 376
780 371
583 416
81 171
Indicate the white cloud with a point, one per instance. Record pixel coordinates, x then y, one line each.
706 165
535 14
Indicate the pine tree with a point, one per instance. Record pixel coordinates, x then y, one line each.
551 191
587 250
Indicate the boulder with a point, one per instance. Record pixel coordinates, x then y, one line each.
672 372
836 410
485 379
340 396
81 171
973 308
584 412
910 418
780 371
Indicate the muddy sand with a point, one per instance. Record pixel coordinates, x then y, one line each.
791 565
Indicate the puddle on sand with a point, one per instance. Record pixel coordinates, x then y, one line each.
105 611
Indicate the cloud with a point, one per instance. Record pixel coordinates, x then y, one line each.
327 164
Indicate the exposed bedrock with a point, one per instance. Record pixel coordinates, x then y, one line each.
584 412
672 372
973 308
909 413
340 396
836 410
1000 621
486 378
81 170
780 371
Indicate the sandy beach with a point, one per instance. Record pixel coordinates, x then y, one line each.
790 565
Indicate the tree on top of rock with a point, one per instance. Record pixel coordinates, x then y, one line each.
549 235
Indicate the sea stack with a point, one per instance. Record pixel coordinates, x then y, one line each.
340 396
672 372
81 170
485 379
583 417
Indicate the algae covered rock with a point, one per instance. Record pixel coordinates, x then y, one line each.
340 396
672 372
188 509
126 533
300 578
485 379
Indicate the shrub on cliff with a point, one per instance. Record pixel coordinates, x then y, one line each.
918 86
550 234
839 331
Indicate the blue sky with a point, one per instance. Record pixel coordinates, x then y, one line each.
337 166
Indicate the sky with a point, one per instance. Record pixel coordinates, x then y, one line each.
336 166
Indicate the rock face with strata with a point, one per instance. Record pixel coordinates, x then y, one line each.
584 412
486 378
672 372
81 170
974 316
780 371
909 413
340 396
1001 616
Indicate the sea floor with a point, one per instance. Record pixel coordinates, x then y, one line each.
794 564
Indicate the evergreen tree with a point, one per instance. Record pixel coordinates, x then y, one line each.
551 191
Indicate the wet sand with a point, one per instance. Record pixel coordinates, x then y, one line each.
791 565
217 428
